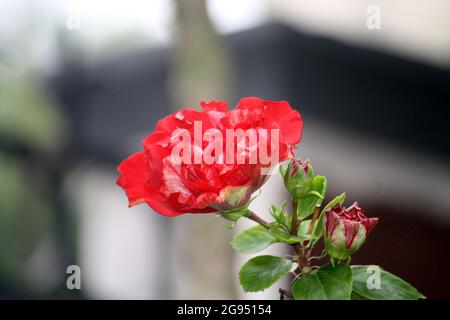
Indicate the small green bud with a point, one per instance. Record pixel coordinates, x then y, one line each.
298 178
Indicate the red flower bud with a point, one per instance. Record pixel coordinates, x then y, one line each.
346 230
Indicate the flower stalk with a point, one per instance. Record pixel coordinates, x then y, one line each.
314 219
254 217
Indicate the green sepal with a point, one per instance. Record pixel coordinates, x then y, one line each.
314 197
282 218
318 228
234 215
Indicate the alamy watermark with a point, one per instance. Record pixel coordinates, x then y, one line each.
374 279
73 20
74 279
373 21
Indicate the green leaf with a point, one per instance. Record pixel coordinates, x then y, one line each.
356 296
339 200
373 283
302 234
314 197
261 272
253 240
280 215
326 283
285 236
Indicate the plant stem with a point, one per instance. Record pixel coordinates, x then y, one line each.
294 221
284 293
311 228
314 218
302 256
302 260
253 216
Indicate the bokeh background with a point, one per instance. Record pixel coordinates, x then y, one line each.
82 82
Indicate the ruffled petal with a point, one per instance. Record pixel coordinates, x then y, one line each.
162 205
250 103
183 118
214 106
369 224
289 121
132 178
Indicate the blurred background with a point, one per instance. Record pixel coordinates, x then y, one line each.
82 82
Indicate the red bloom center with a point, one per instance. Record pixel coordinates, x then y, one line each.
352 213
352 217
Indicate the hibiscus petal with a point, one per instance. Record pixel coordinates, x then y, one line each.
214 106
158 137
161 205
170 207
351 229
172 183
289 121
207 199
250 103
132 178
369 224
138 189
183 118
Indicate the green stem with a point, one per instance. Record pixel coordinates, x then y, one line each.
302 259
285 293
314 219
253 216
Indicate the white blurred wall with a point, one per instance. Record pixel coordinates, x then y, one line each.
414 28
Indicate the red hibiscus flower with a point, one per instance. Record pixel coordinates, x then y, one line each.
210 160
